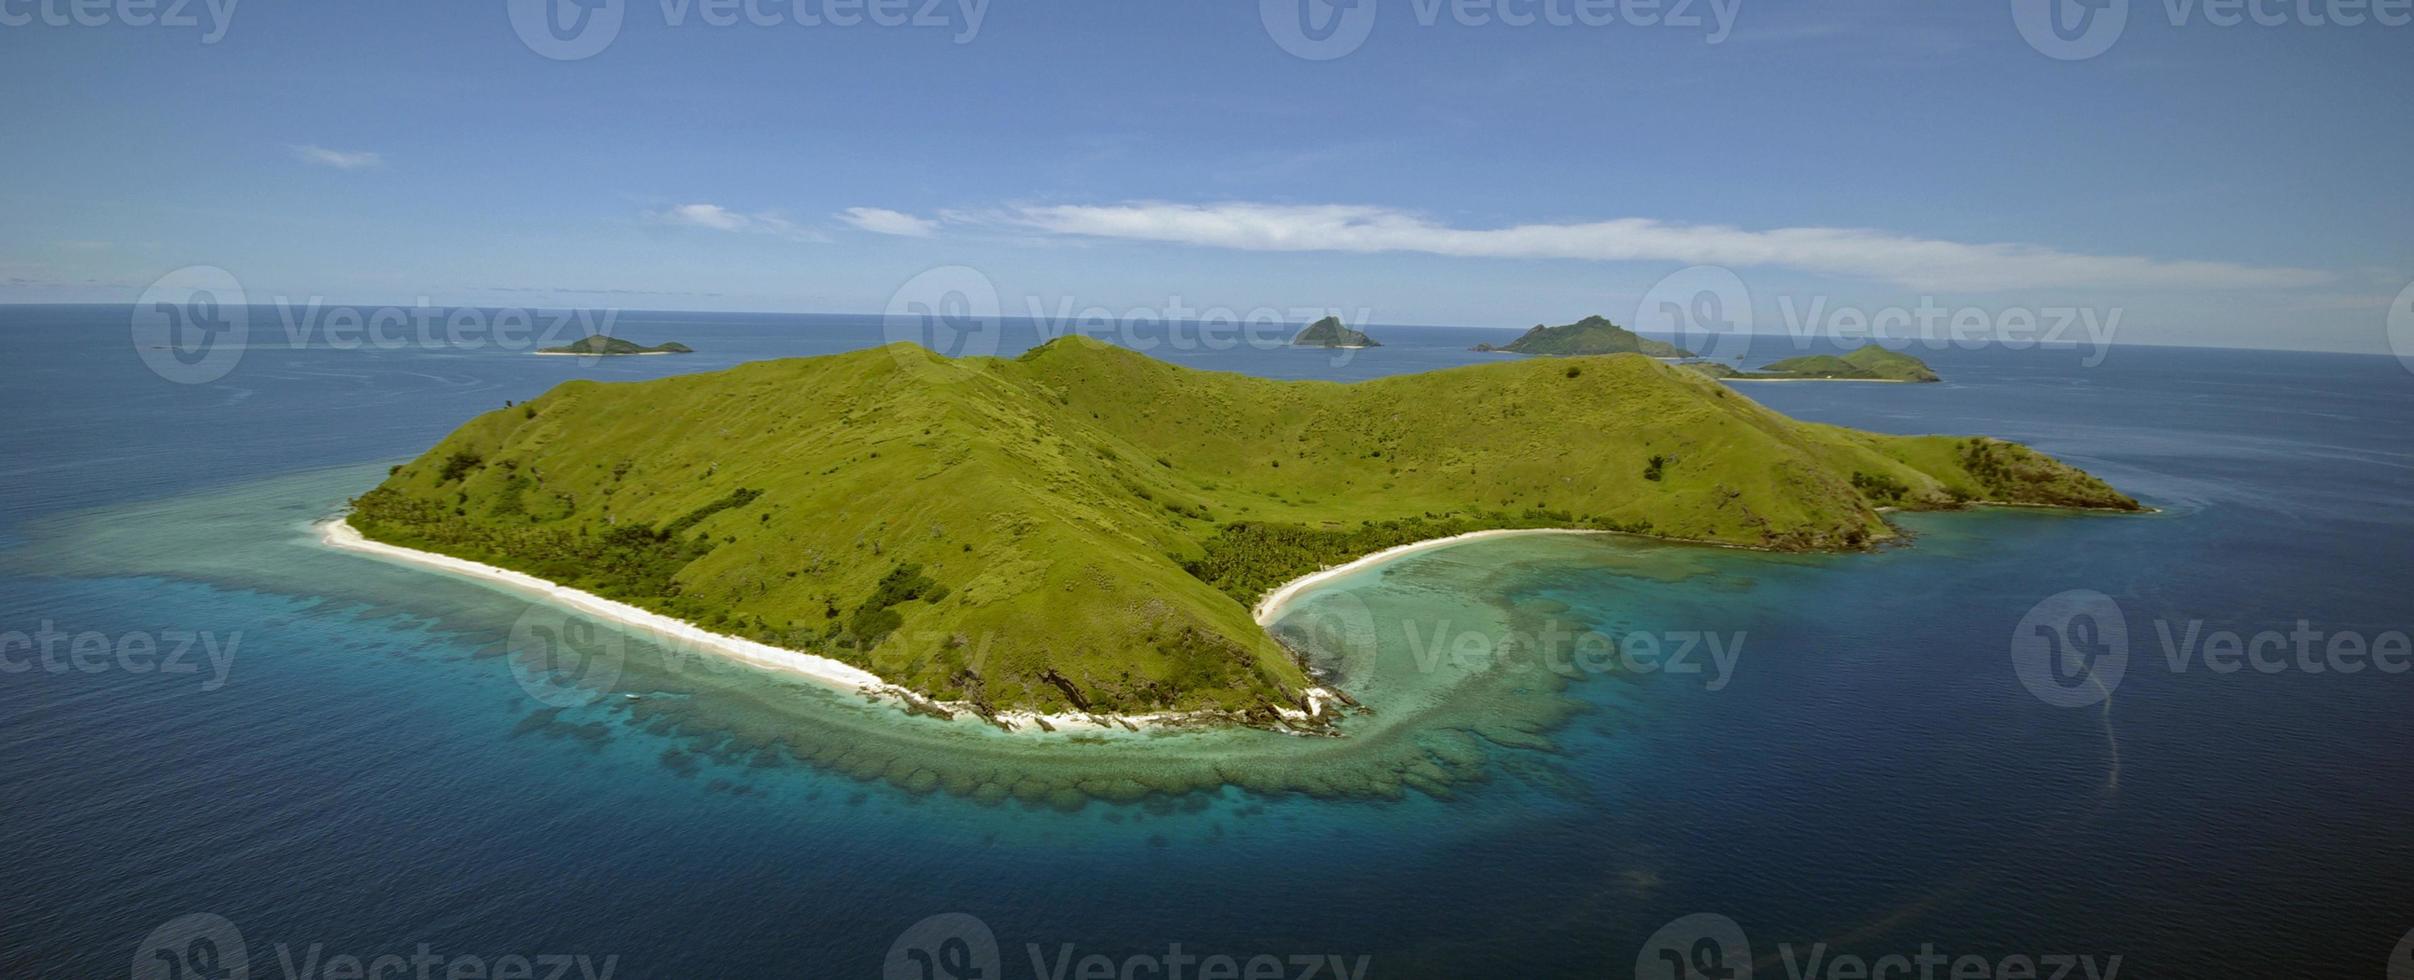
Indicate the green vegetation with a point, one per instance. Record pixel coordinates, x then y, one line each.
1883 490
458 465
1591 335
876 618
1086 526
1870 363
1329 332
601 345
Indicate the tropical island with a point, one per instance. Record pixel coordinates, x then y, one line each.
1081 530
600 345
1328 333
1870 363
1585 337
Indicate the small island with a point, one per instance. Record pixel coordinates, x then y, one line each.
1585 337
1870 363
1329 334
599 345
1081 532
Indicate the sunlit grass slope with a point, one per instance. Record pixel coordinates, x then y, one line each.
1083 526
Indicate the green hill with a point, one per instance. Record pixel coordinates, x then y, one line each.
599 344
1870 363
1329 333
1085 527
1591 335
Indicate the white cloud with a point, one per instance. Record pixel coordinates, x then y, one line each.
339 159
1918 263
887 222
719 218
704 216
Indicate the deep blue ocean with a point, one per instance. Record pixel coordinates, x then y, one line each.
366 779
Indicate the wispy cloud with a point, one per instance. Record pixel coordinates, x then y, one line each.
1919 263
719 218
711 216
887 222
339 159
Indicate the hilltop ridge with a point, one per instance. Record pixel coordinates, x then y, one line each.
1588 336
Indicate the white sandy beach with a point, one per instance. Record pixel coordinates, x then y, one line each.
1271 607
341 535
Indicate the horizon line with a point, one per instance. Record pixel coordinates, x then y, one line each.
1939 345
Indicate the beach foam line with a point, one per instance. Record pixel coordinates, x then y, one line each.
339 534
1271 607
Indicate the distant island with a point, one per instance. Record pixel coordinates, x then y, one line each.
1588 336
1080 532
1870 363
1330 334
600 345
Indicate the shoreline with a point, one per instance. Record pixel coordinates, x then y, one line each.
1271 606
339 534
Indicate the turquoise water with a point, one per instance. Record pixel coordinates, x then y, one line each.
1868 771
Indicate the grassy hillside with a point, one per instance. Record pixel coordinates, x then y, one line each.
1083 526
1589 336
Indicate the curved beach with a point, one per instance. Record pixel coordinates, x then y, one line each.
1271 607
339 534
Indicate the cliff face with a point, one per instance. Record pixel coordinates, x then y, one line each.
1085 525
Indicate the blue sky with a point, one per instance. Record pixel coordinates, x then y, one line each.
2216 185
